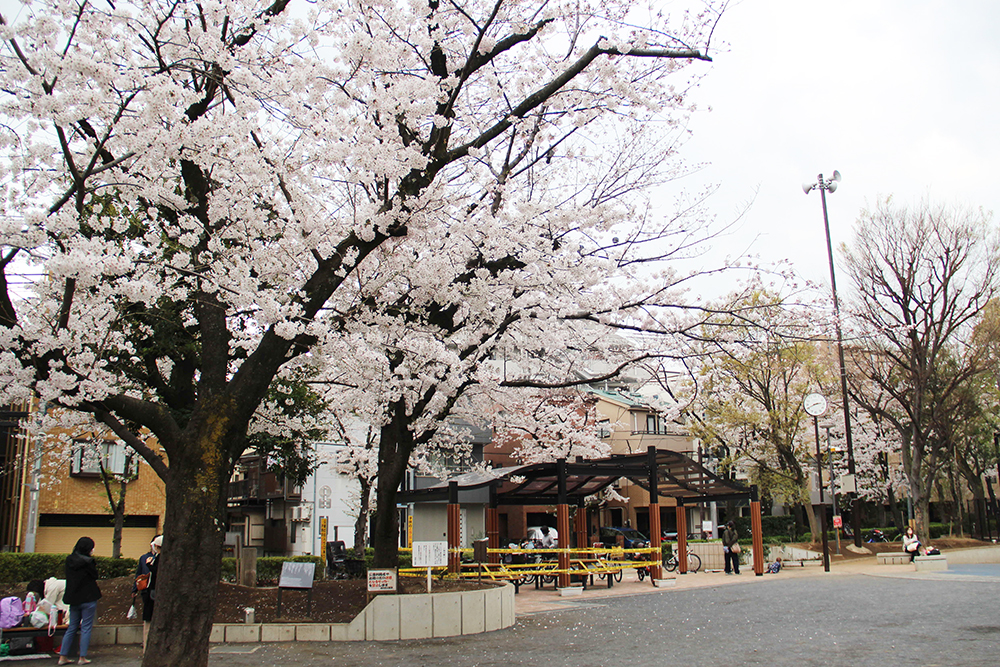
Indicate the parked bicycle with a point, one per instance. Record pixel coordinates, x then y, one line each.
693 562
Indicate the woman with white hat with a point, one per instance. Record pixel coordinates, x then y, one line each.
145 584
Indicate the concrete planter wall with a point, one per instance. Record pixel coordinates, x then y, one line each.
386 618
711 555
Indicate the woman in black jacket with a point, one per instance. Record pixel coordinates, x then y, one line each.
147 567
82 594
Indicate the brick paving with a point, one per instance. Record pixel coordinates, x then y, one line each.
859 613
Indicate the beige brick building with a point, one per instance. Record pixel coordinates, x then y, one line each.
71 499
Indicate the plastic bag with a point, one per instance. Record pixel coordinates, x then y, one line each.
131 613
38 619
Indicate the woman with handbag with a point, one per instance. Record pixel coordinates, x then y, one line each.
731 548
145 584
82 594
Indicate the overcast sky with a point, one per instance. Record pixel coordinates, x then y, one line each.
900 96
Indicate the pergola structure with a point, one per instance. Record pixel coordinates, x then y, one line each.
662 473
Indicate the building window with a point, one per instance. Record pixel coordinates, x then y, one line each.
88 456
651 424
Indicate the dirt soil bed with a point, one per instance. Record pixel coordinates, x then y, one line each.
332 601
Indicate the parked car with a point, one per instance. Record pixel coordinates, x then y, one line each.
633 539
671 536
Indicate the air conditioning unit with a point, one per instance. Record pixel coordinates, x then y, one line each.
301 513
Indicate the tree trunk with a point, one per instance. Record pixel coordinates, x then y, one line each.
814 523
385 535
896 512
361 523
922 516
190 567
395 446
116 540
117 506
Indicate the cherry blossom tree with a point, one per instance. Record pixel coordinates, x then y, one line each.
216 190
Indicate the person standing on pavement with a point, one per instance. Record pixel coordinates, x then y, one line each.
147 566
729 538
82 594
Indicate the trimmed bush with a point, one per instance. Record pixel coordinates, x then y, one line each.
778 527
405 558
17 567
269 568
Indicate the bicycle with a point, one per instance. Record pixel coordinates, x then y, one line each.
693 564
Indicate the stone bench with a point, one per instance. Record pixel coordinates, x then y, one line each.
930 563
893 558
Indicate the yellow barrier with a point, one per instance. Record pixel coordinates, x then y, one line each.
587 561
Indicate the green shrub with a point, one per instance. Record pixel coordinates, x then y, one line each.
269 568
779 527
405 558
112 568
17 567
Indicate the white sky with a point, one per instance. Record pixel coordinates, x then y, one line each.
900 96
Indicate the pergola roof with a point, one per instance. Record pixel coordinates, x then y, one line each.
677 476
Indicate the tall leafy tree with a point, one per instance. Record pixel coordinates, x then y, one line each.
755 372
922 276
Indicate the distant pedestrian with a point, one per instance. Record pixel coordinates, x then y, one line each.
730 547
148 563
911 544
82 594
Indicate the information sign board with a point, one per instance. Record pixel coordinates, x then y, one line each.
297 575
381 581
430 554
838 521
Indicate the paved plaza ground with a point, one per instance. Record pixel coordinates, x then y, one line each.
859 614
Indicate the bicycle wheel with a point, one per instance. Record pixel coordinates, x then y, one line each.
671 564
694 562
641 571
618 575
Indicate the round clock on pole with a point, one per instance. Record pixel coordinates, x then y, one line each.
814 404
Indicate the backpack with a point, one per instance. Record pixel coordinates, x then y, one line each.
11 612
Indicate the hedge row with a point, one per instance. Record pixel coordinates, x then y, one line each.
937 531
17 567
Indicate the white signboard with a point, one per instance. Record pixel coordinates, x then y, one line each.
297 575
430 554
706 526
848 484
381 581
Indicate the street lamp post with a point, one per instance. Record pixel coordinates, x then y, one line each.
833 488
824 186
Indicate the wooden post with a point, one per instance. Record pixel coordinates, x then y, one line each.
562 523
493 525
581 524
454 529
248 567
654 513
757 531
682 537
